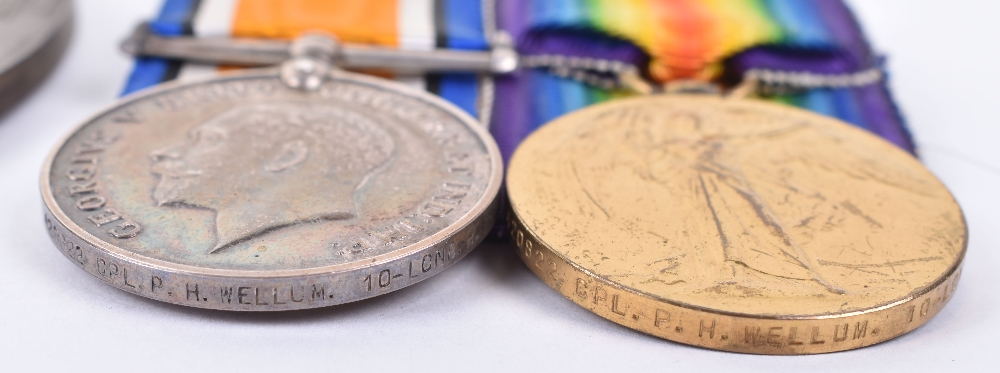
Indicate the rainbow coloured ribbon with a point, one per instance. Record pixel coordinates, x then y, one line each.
700 39
692 39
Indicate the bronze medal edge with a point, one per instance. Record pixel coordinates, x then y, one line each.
722 330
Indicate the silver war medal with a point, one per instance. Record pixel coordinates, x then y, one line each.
272 189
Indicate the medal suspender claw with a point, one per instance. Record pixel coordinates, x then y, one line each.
257 52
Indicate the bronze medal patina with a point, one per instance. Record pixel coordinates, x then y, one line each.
33 35
736 225
242 193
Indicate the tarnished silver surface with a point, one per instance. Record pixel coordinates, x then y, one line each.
239 193
33 35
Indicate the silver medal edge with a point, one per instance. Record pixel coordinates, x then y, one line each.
284 289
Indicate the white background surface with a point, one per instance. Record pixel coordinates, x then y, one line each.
488 312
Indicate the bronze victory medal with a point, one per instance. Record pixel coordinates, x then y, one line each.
239 193
736 225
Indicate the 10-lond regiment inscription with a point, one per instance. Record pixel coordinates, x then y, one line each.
239 193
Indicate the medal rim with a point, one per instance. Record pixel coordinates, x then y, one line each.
949 279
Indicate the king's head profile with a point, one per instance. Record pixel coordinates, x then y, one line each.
265 167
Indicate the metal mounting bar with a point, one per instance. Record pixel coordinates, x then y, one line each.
256 52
